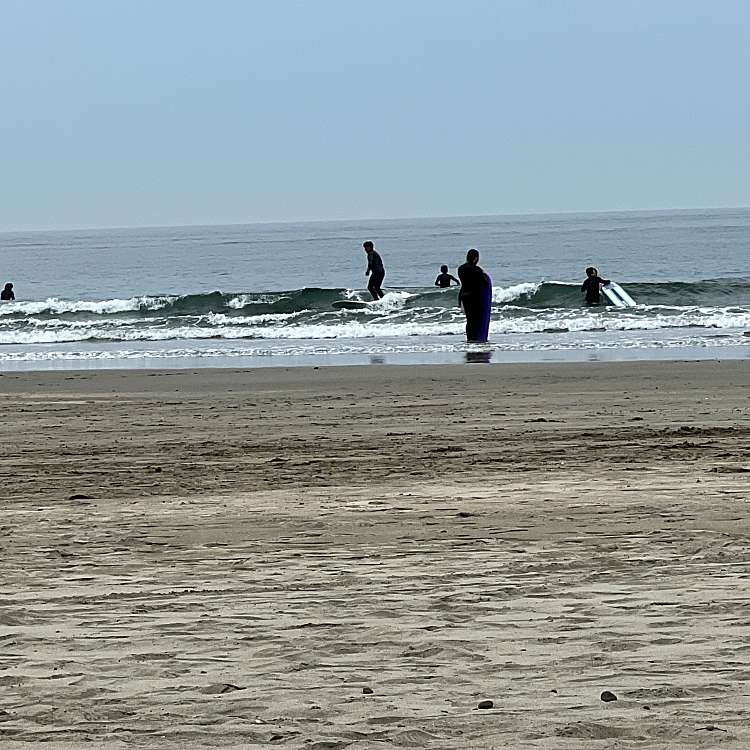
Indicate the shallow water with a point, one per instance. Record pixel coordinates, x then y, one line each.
265 292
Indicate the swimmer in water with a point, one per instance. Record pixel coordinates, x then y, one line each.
444 278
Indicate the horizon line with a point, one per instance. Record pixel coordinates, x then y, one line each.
262 222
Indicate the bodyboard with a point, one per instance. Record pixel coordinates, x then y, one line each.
484 326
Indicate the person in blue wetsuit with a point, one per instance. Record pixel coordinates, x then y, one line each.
592 285
444 278
474 283
375 270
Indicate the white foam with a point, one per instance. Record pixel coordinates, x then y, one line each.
387 318
354 294
220 319
501 294
245 300
56 306
349 329
391 301
382 346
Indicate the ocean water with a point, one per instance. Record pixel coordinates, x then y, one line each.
247 295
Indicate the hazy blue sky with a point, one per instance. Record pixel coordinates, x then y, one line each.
142 112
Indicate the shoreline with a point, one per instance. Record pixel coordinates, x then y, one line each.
207 376
387 353
228 558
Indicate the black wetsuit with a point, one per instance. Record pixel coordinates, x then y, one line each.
444 280
377 274
7 295
591 287
471 297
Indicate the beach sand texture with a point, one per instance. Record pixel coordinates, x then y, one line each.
252 552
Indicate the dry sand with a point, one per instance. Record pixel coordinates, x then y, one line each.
257 547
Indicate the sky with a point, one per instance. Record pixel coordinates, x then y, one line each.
143 113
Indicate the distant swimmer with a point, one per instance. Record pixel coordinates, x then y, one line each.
592 285
375 270
475 297
444 278
7 295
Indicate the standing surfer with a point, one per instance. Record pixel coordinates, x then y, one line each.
592 285
475 297
375 270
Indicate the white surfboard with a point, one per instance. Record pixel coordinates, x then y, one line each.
610 294
624 296
617 295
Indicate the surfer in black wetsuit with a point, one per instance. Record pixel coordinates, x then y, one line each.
444 278
592 285
7 295
375 270
474 283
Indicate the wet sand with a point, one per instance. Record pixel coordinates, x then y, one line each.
234 559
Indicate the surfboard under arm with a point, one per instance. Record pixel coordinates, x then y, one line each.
612 296
624 296
617 295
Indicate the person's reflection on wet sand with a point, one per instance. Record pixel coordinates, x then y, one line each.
478 357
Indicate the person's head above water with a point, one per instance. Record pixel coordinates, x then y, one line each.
591 271
368 246
472 256
443 269
8 287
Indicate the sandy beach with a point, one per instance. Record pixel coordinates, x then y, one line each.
357 557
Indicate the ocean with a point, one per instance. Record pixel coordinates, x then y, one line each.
263 294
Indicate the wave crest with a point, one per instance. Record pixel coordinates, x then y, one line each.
525 308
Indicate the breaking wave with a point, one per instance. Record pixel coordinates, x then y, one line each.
525 308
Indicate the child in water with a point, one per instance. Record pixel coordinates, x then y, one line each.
592 285
444 278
